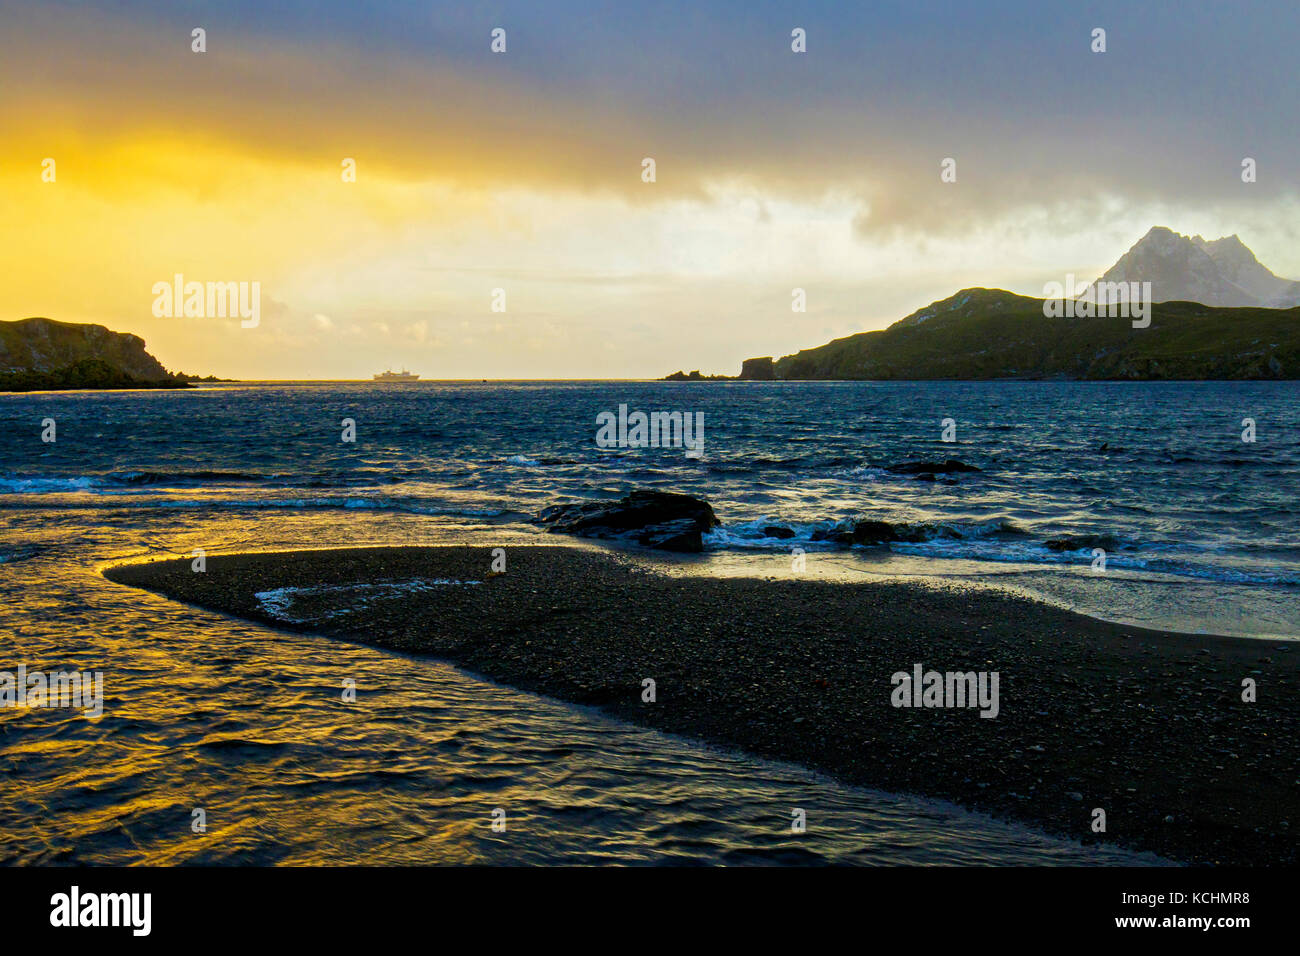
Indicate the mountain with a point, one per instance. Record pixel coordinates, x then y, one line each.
1218 314
991 333
43 354
1221 272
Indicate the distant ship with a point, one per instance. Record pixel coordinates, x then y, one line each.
402 376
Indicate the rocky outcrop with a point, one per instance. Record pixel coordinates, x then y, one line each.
695 376
871 532
1083 542
751 370
43 345
655 519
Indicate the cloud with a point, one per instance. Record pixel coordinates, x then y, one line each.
1011 91
522 171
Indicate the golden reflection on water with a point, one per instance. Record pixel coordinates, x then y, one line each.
246 723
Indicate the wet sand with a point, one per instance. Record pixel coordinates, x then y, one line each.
1148 726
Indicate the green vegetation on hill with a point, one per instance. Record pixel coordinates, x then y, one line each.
989 333
87 373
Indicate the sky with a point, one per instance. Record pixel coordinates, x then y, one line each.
522 171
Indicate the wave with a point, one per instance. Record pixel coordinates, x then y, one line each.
1039 553
527 462
165 477
419 506
754 535
363 504
9 555
766 533
279 602
758 463
18 485
124 482
997 539
56 484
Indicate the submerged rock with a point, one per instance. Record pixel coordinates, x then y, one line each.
1083 542
873 532
882 532
838 535
656 519
929 467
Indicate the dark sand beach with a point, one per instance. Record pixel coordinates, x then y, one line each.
1148 726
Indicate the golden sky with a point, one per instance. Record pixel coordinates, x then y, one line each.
522 171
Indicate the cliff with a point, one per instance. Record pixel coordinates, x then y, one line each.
44 355
43 345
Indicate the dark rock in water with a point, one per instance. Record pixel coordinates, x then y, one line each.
838 535
1082 542
695 376
751 370
680 535
656 519
873 532
926 476
869 533
776 531
933 467
638 510
882 532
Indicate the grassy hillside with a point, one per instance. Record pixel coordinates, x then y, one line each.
990 333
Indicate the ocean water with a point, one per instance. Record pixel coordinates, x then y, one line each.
1199 530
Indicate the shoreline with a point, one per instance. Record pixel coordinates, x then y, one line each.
1147 725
